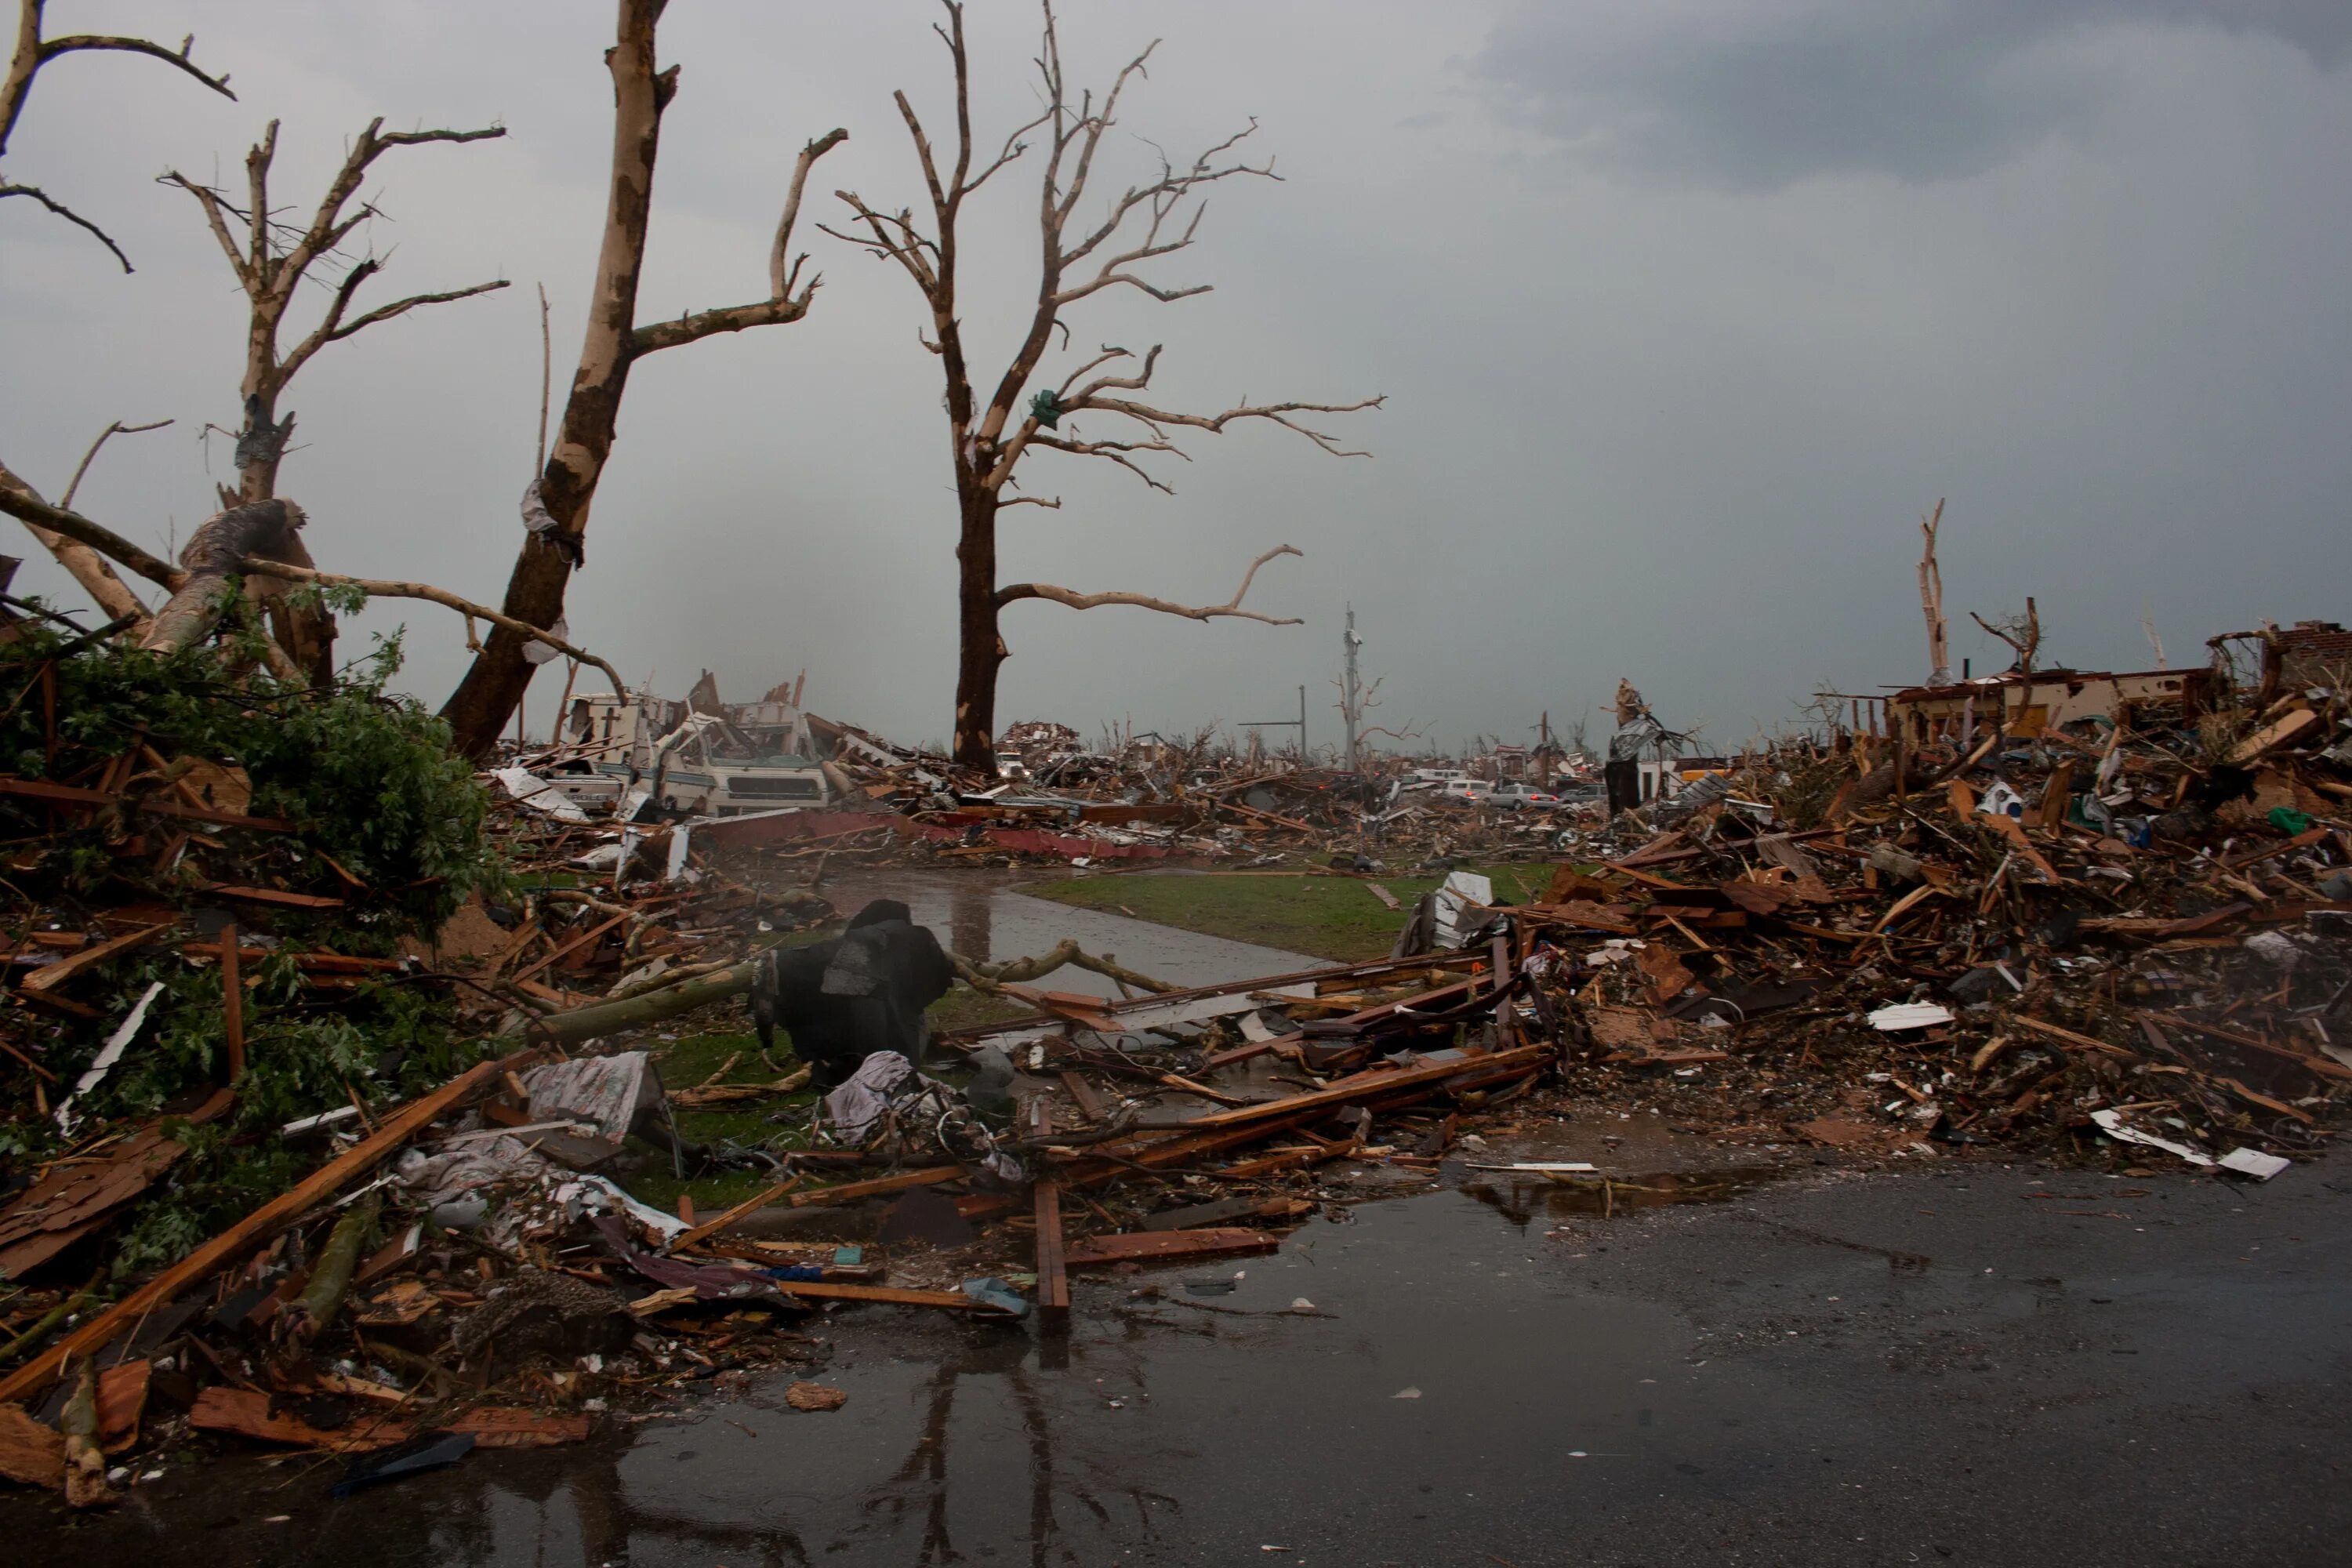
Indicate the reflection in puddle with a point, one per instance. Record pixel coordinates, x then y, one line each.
962 1443
1520 1198
983 915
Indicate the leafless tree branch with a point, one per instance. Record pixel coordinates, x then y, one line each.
117 428
1012 593
32 52
783 305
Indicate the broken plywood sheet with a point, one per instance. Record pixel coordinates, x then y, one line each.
1160 1247
76 1197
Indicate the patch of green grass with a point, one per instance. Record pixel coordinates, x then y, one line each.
1327 917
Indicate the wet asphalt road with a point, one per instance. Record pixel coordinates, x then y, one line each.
1967 1364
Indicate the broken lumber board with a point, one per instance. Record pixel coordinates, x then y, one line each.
1053 1252
1368 1085
1199 1217
274 896
65 794
391 1135
1382 894
49 976
245 1413
321 962
2319 1065
888 1295
757 1200
2262 852
1090 1103
1169 1245
1282 1160
569 948
2271 736
2068 1035
846 1191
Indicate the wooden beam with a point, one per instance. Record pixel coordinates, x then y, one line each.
847 1190
49 976
1053 1275
1169 1245
232 1002
255 1227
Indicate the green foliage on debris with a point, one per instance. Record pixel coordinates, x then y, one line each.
369 783
367 776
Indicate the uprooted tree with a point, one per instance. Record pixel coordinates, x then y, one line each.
989 439
270 262
555 506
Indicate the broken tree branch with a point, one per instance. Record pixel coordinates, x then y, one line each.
33 51
83 564
377 587
993 977
20 501
781 305
1014 591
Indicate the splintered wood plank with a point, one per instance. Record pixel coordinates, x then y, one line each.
1053 1276
1090 1103
847 1190
49 976
1167 1247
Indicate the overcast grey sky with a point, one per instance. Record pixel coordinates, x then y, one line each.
1685 309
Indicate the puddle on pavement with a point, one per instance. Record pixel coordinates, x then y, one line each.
982 914
1459 1361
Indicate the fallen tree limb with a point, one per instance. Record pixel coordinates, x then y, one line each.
19 502
84 565
383 588
992 977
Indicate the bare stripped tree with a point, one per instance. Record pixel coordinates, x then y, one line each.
1079 259
1931 601
556 506
33 51
272 261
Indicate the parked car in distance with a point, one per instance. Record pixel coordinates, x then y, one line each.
1475 791
1523 797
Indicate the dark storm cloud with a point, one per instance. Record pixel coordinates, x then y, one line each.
1760 93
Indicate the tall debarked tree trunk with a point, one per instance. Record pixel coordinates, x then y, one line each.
556 507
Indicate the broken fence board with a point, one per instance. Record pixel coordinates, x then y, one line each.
1162 1246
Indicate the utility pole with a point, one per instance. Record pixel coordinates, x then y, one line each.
1350 690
